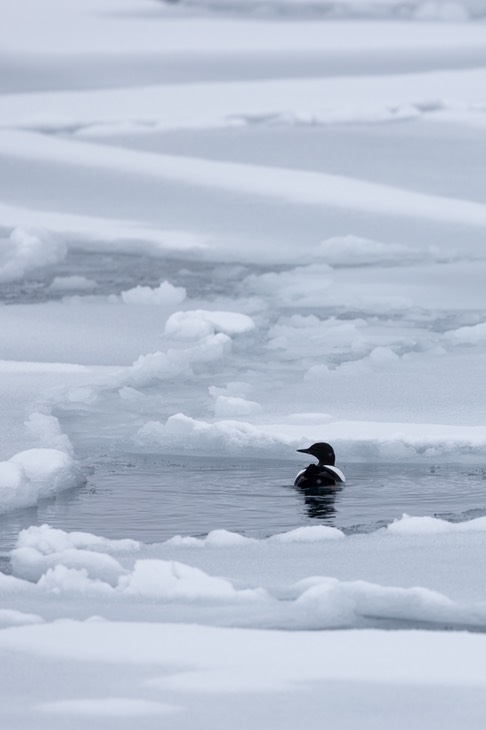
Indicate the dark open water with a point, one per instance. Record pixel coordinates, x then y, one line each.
150 498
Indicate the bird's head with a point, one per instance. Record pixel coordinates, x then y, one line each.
323 452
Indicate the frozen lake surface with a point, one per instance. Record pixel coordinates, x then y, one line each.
230 229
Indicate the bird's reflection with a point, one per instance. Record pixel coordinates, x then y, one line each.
319 501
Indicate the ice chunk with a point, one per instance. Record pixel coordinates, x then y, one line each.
225 436
34 474
45 550
225 538
47 540
174 362
171 580
216 538
49 470
63 580
166 295
332 603
203 322
468 335
48 430
30 564
308 534
433 526
225 406
26 249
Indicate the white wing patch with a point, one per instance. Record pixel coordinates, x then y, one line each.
337 472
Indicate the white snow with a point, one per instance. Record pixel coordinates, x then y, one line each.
309 534
227 405
229 230
201 322
24 250
311 577
468 335
280 184
35 474
430 525
305 580
165 294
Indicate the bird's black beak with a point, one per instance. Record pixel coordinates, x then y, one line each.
303 451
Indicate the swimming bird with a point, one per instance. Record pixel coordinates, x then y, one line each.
323 474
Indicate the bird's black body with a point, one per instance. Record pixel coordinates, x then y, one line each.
321 475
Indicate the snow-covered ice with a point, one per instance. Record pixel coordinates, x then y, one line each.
229 229
35 474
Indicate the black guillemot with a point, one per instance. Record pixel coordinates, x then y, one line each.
323 474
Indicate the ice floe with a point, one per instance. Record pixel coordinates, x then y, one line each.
226 235
289 590
199 323
35 474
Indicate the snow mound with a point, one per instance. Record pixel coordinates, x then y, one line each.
433 526
175 362
68 560
216 538
25 250
165 295
185 433
47 429
194 339
331 603
171 580
36 474
94 580
297 587
468 335
225 406
62 563
224 538
48 540
31 564
202 322
356 440
50 470
308 534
